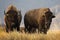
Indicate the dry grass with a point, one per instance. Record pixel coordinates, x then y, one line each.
51 35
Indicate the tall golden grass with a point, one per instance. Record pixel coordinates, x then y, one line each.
51 35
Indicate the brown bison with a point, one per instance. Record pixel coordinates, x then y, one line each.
38 19
12 18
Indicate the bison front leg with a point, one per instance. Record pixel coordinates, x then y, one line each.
26 26
7 29
25 30
11 29
28 29
45 31
18 28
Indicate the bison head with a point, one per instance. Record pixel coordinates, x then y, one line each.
49 15
48 19
11 14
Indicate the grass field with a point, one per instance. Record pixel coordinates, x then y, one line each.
51 35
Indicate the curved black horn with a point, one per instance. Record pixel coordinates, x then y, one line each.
4 12
19 12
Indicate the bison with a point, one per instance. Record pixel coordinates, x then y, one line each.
38 19
12 18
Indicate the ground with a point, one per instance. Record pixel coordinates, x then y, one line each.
51 35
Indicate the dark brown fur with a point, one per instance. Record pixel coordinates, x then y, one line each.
38 19
12 18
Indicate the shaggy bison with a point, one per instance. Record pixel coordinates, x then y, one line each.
38 19
12 18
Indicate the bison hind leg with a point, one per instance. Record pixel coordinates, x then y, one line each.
33 30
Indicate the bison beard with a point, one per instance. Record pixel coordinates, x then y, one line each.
38 19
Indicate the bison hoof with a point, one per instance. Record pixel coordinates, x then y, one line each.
45 32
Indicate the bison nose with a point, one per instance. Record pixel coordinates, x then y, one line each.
53 16
12 23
